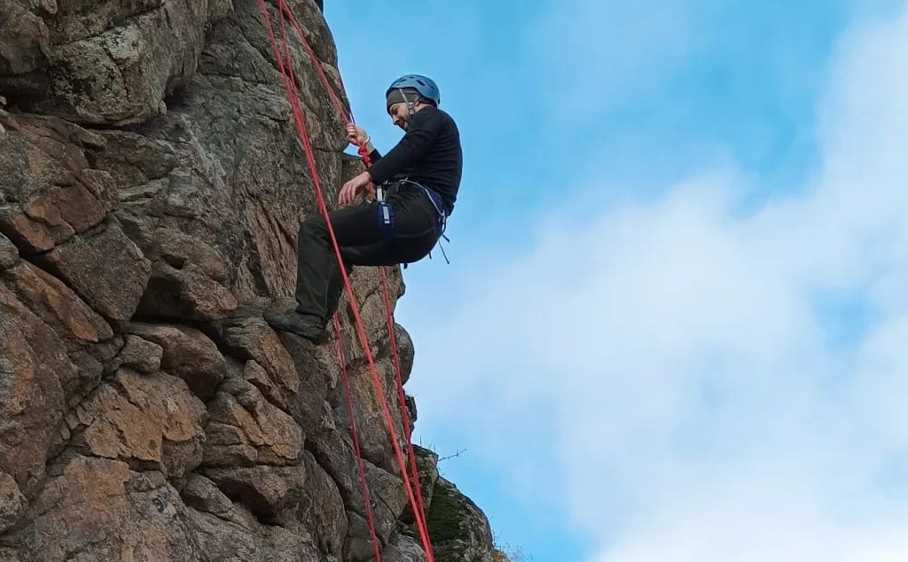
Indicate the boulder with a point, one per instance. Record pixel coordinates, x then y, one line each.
187 353
141 355
460 530
12 502
245 429
103 267
151 422
98 509
35 372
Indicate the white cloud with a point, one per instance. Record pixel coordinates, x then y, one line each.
683 352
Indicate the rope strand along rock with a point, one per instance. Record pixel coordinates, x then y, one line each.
285 64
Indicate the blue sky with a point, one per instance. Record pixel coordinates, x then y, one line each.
673 327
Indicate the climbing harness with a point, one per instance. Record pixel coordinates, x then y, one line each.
434 198
409 474
442 215
386 216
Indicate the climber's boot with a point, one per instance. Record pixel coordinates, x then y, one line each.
304 325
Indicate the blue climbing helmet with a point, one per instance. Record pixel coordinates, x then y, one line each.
422 84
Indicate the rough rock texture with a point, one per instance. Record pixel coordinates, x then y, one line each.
150 193
460 531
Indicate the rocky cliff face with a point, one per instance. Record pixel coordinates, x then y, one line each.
150 191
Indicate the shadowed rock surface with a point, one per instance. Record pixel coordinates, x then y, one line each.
150 192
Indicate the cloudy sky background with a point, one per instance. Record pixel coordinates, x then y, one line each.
676 323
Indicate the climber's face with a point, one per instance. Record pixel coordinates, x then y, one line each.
400 115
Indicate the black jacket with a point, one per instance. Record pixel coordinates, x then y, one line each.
429 154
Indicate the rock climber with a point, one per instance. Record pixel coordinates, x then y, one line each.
415 185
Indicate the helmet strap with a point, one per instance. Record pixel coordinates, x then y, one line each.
411 107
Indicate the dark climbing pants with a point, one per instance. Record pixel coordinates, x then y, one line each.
416 229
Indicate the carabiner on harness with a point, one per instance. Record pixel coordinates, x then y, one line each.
385 214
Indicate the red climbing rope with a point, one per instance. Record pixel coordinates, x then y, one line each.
347 117
401 397
316 63
284 62
348 399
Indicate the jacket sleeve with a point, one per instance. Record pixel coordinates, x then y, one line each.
420 137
